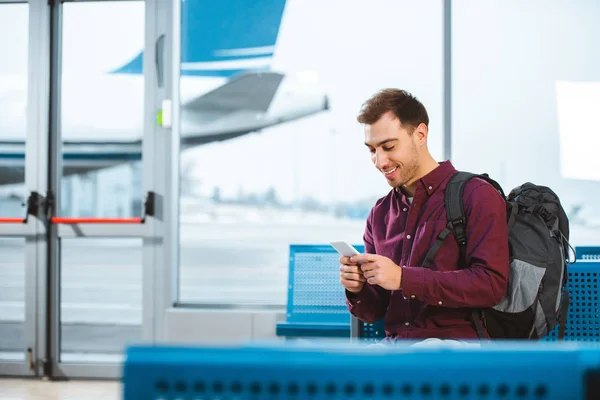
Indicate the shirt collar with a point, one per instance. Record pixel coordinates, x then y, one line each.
435 178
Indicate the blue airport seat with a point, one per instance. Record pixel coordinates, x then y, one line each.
587 253
316 302
583 317
369 332
293 370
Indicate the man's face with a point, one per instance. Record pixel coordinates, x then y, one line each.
394 150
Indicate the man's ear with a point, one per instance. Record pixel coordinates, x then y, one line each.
421 133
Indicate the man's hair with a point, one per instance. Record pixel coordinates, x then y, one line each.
410 111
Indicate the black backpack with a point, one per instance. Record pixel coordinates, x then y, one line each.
538 233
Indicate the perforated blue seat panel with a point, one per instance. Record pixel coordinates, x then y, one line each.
315 294
583 321
561 371
372 331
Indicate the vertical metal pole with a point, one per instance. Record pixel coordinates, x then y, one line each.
54 174
152 32
36 165
447 79
171 292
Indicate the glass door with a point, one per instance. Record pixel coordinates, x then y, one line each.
103 224
22 231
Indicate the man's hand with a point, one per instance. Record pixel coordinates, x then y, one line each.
351 276
379 270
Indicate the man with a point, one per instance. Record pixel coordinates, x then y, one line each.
422 303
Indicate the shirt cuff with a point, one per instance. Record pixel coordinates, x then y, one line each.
354 299
413 282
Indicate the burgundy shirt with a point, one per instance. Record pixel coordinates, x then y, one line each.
435 302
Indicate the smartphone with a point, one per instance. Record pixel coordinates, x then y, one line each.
344 248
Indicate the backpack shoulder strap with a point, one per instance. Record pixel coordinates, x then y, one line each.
455 214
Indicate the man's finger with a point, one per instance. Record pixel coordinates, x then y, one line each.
373 281
368 266
351 284
364 258
346 260
353 277
350 268
369 274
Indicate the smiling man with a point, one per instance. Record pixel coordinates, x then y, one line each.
388 281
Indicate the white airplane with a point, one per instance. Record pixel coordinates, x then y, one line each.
227 86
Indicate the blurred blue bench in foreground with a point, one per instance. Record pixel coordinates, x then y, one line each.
290 370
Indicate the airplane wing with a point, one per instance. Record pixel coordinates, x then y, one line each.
244 105
250 91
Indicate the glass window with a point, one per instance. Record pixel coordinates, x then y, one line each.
102 103
12 298
14 38
100 298
270 160
525 99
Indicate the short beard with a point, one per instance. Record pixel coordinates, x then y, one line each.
409 169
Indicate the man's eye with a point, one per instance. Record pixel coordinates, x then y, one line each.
388 148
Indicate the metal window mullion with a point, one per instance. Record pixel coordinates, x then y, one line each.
170 157
151 245
164 251
54 176
160 168
447 58
36 179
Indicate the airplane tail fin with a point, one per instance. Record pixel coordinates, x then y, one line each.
221 38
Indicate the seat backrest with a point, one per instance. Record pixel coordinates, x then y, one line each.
583 318
315 294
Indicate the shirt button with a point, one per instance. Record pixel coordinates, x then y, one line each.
405 209
430 187
413 296
405 298
440 302
407 323
358 302
408 236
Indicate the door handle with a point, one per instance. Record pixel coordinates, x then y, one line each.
159 50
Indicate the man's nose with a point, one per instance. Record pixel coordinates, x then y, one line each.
380 160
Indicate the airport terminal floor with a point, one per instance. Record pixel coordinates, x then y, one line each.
174 172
